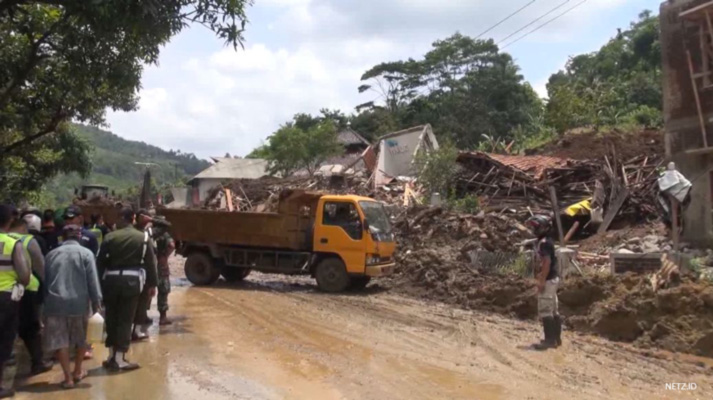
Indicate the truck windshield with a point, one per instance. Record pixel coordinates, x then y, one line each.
375 214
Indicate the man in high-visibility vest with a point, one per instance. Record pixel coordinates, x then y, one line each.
30 327
98 228
14 275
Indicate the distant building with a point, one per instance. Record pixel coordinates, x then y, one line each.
351 160
226 169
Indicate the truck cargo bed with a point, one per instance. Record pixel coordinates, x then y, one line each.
265 230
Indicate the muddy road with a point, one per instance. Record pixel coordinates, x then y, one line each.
278 338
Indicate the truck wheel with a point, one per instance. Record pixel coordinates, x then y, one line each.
359 282
235 274
200 269
332 275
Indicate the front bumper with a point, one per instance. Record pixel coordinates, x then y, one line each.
375 271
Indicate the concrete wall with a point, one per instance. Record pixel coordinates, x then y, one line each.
683 131
204 186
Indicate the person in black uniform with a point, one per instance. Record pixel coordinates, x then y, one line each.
547 280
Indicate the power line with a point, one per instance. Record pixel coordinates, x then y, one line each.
543 25
505 19
532 22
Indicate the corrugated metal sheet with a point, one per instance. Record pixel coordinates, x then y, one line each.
530 165
235 168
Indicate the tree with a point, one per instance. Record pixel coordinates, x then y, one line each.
292 148
620 83
464 87
71 60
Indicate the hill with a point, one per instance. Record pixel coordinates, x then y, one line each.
114 159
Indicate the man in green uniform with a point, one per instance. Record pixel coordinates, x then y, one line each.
164 248
142 321
127 263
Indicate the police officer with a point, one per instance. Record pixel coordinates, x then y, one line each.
164 247
547 280
14 275
127 263
30 327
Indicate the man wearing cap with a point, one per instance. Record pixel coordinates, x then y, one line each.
73 216
30 326
72 285
144 222
14 275
164 247
127 263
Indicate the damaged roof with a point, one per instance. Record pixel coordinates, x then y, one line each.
534 166
348 137
234 168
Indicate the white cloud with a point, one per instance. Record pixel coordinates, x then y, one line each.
303 55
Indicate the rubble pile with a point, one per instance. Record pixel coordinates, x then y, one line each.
261 195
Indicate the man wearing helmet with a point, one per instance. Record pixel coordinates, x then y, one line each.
547 279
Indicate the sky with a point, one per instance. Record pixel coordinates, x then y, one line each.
304 55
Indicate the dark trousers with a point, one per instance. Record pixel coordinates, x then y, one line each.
142 316
29 328
121 297
9 313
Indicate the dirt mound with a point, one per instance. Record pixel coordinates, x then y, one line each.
437 274
433 227
627 309
589 144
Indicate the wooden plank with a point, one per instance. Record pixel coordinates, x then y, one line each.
613 210
701 121
555 208
695 10
229 199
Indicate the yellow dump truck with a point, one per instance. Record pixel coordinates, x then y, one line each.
341 241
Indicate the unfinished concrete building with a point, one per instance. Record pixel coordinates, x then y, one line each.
687 51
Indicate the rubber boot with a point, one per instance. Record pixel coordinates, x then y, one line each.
558 331
548 325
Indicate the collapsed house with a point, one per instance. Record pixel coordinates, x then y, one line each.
225 169
398 151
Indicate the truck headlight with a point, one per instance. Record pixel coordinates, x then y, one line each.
372 259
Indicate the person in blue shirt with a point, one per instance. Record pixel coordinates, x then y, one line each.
73 216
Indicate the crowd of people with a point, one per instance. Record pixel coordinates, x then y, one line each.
57 270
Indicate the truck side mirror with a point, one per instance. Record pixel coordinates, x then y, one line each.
365 224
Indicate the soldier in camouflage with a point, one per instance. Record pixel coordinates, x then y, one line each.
165 247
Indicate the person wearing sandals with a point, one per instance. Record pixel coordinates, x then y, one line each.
71 284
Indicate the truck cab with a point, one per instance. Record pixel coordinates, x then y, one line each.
358 231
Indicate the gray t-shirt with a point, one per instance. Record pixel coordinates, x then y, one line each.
71 280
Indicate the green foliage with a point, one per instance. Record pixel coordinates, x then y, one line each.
619 84
72 62
466 204
521 266
437 169
464 87
113 159
301 144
